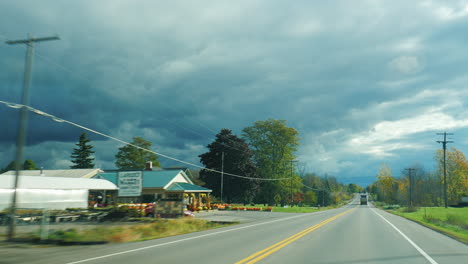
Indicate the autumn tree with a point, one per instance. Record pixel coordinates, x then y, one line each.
237 160
386 184
310 198
457 173
81 156
134 158
354 188
273 144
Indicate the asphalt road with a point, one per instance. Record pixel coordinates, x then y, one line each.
351 234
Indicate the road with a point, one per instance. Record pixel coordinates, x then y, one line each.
351 234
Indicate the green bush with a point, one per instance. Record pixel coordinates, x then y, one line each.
65 235
410 209
431 219
457 220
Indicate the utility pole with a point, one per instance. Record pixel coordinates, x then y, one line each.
444 146
222 174
291 182
410 197
323 197
21 138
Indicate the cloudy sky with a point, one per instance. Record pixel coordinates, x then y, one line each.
364 82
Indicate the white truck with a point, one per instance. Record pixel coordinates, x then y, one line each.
363 199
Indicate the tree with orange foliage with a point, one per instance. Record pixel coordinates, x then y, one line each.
386 183
457 174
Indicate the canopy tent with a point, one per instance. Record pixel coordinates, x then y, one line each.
50 192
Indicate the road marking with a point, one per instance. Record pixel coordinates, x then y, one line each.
191 238
431 260
271 249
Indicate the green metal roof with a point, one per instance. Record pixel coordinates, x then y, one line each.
151 179
187 187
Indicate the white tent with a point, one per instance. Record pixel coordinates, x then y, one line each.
50 192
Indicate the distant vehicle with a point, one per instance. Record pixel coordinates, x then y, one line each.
363 199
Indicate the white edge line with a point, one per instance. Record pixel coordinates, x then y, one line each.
431 260
190 238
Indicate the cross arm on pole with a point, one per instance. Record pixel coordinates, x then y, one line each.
29 40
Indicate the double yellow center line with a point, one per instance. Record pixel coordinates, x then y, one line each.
272 249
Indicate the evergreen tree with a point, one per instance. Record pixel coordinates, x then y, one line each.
237 160
81 156
27 165
9 167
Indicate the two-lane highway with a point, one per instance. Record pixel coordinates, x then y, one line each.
351 234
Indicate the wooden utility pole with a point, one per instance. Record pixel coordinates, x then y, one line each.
410 195
291 182
222 175
21 138
444 146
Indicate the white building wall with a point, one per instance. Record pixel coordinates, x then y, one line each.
45 198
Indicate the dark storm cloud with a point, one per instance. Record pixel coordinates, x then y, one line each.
342 73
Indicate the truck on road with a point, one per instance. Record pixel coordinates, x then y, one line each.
363 199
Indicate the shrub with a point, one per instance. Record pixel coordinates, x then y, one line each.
457 220
65 235
410 209
431 219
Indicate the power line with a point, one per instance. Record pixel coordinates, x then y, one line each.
308 187
162 102
58 119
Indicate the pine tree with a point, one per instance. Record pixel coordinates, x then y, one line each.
81 156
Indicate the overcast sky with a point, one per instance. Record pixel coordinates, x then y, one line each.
364 82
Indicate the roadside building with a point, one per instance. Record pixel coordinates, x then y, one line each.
171 190
95 196
69 173
51 192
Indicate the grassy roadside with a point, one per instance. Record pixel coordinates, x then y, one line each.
129 233
294 209
450 221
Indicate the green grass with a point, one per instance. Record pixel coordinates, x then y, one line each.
295 209
450 221
137 232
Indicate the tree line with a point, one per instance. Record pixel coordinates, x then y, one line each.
265 154
418 187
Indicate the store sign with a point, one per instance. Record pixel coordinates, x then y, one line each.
130 183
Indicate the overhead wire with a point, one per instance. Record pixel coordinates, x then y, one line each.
45 58
58 119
